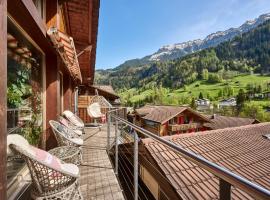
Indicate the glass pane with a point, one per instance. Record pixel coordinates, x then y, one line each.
24 92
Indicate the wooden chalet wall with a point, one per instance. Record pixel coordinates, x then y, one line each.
3 100
26 17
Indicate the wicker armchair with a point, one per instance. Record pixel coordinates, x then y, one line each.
74 119
50 182
64 135
69 125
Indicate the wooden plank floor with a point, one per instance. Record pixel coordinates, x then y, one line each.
98 180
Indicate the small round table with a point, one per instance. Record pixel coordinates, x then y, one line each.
68 154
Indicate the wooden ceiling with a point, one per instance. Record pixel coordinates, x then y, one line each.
83 27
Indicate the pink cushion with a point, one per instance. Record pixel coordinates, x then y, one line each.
64 122
46 157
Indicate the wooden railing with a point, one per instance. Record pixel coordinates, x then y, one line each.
183 127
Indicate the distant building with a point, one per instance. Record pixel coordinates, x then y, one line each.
203 104
266 95
169 120
231 102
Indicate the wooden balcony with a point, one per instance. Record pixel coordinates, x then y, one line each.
183 127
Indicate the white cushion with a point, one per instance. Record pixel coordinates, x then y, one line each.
94 110
68 113
20 141
78 132
77 141
70 168
73 118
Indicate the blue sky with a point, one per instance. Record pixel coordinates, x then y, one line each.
135 28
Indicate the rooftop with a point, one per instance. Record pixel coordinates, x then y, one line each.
162 114
243 150
220 122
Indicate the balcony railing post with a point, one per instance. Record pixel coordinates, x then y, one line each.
108 130
116 146
224 190
135 166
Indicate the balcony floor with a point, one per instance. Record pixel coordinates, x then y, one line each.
98 180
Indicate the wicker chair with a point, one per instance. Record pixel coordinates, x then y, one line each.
49 182
94 112
64 135
69 125
74 119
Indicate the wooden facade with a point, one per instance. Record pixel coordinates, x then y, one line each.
58 86
184 122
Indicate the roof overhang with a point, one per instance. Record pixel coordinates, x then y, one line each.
64 45
82 24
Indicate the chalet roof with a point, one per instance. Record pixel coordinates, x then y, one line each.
243 150
106 88
161 114
219 122
64 45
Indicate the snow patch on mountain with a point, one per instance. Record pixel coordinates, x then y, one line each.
178 50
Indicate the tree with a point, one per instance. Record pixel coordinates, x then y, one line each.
205 74
200 95
240 100
193 104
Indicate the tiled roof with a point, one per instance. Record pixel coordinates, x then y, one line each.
106 88
64 45
219 122
162 114
242 150
144 110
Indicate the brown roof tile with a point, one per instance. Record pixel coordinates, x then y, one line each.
242 150
219 122
161 114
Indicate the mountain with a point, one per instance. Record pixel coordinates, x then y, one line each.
170 52
245 53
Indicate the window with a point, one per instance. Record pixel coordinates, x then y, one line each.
40 5
24 91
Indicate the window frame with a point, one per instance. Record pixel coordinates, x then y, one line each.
14 184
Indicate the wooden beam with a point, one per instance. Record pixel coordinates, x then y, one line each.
26 15
3 99
30 6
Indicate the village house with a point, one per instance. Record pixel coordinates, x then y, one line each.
169 120
231 102
203 105
48 50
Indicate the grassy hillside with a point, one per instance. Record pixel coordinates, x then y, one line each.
176 96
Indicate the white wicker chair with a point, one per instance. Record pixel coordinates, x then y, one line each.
74 119
94 111
49 182
66 136
69 125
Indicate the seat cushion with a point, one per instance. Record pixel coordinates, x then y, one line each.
78 132
77 141
20 141
71 168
